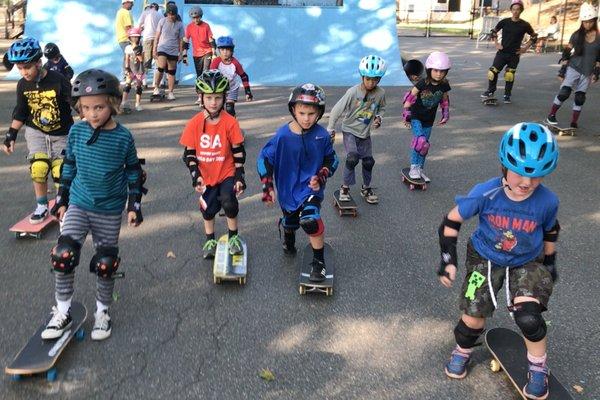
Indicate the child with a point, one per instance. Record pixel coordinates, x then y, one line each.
203 44
509 51
517 230
363 107
101 172
232 69
420 107
43 106
56 61
414 70
300 158
135 69
215 155
581 67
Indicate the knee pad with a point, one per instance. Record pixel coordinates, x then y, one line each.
230 108
492 73
172 72
352 160
368 163
56 166
65 255
127 88
528 316
579 98
564 93
466 337
231 208
106 261
40 167
139 90
160 69
420 144
509 74
311 222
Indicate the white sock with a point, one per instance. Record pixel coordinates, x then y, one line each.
63 306
100 307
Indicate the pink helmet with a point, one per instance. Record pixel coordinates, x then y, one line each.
438 60
519 2
135 31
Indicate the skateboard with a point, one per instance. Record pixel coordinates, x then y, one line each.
490 101
227 267
308 286
157 97
413 183
39 355
126 110
557 130
25 229
510 354
344 207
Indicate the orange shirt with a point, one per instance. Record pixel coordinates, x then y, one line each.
201 36
213 145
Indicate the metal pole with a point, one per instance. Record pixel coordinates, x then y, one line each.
428 28
539 13
562 31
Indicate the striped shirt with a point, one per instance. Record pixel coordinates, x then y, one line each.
99 178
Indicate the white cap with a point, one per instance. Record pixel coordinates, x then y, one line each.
587 12
126 1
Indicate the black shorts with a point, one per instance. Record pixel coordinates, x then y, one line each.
214 196
169 57
291 219
506 59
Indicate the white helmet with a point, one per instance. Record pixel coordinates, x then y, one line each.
587 12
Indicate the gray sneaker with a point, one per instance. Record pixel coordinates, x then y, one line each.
369 196
415 172
209 249
344 193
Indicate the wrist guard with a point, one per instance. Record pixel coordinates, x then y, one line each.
240 176
267 187
11 136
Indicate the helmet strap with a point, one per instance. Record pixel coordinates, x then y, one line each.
96 133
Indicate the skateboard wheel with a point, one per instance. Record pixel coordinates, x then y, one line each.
242 281
424 187
51 375
412 187
403 179
302 289
16 377
80 335
329 291
495 366
217 280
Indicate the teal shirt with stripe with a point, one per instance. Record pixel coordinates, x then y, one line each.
99 178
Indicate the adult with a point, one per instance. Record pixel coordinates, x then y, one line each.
168 46
148 22
123 22
549 34
203 43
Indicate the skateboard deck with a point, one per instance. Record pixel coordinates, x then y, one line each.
490 101
510 354
557 130
308 286
40 355
227 267
344 207
413 183
157 97
24 228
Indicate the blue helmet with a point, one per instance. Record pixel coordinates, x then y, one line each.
529 149
225 41
25 51
372 67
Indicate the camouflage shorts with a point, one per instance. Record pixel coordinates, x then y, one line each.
531 279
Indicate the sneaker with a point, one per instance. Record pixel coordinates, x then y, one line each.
551 119
57 324
344 193
457 366
415 172
507 99
102 326
487 94
537 386
235 246
317 273
139 108
369 196
209 249
39 215
574 125
423 176
156 91
170 96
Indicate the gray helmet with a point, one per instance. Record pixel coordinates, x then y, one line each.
196 12
95 81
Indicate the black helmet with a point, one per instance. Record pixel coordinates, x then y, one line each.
414 67
308 94
95 81
212 81
51 51
171 9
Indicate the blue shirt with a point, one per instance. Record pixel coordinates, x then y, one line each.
295 159
62 67
510 233
99 178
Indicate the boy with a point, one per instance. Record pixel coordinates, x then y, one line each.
299 159
509 51
56 61
215 155
515 240
43 106
363 107
203 44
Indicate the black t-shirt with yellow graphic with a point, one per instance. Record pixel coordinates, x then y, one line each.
45 105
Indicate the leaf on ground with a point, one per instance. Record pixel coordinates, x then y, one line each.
115 296
578 388
267 375
170 254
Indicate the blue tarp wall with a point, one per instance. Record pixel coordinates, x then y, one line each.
277 45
